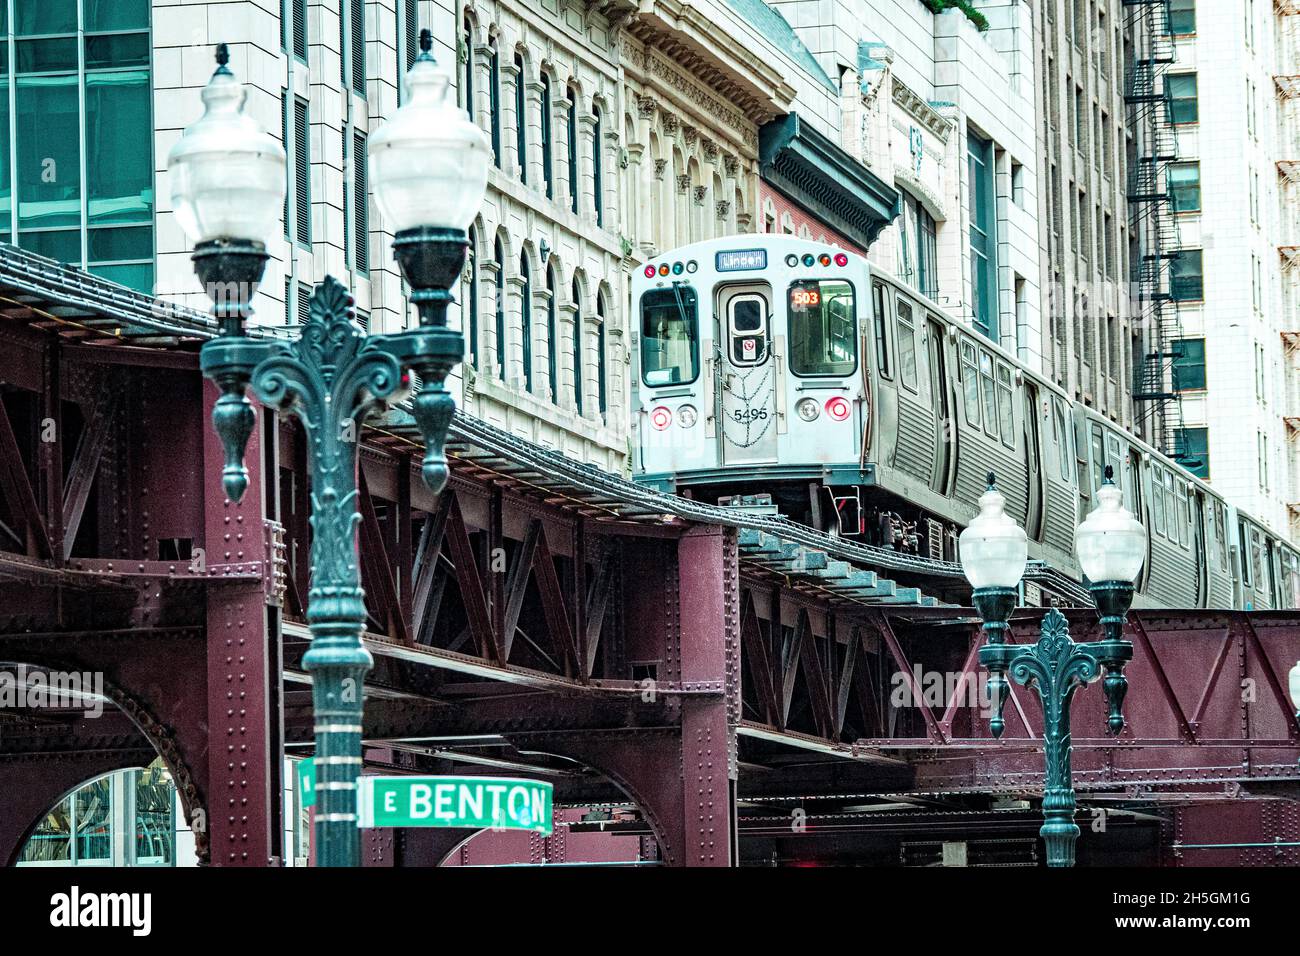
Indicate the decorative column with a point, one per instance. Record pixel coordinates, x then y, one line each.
587 165
514 348
541 346
649 207
536 168
561 110
511 161
482 113
490 291
571 357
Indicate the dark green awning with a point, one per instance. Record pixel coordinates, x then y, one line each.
815 173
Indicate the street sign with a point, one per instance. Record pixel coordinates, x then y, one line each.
307 781
502 803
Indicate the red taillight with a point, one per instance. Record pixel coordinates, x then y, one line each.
649 272
838 408
661 417
841 259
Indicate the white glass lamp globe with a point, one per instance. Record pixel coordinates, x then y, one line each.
994 549
429 163
1295 686
226 171
1111 544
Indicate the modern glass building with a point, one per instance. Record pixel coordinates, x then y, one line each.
76 160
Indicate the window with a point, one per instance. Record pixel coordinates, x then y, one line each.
597 172
578 335
1185 187
1188 370
988 390
547 177
601 385
494 103
1006 416
573 149
906 346
670 336
1194 450
302 171
970 383
521 119
1220 522
82 179
499 260
468 68
552 340
1158 501
526 319
983 238
1061 430
747 328
1182 17
1180 89
1263 460
410 32
471 298
300 29
360 204
916 236
1259 373
1186 283
822 329
880 321
354 53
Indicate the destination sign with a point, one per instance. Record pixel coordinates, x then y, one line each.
741 260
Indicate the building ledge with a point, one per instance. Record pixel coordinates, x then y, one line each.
811 170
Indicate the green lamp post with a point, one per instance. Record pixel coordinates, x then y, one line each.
429 173
1111 547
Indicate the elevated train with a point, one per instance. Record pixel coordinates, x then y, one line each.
774 366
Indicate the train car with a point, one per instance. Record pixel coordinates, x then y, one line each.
775 367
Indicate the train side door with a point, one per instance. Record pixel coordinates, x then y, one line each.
1200 549
746 375
940 394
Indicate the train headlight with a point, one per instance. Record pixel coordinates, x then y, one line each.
838 408
687 416
661 417
807 409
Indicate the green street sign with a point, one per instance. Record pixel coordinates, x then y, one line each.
307 781
502 803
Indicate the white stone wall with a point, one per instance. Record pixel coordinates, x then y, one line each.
973 80
1247 304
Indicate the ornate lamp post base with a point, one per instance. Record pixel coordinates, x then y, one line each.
1056 667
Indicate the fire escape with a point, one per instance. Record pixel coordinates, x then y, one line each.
1287 79
1154 226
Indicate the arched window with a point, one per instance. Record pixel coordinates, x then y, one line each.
494 103
470 307
577 345
601 385
521 118
499 258
597 174
467 76
552 339
526 318
546 137
573 149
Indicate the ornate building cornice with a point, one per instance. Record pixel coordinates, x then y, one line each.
916 107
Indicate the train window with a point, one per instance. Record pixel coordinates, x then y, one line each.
880 322
1181 519
1220 534
989 392
906 346
1157 500
670 336
823 335
1257 557
747 328
1006 418
1097 450
1062 431
970 384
